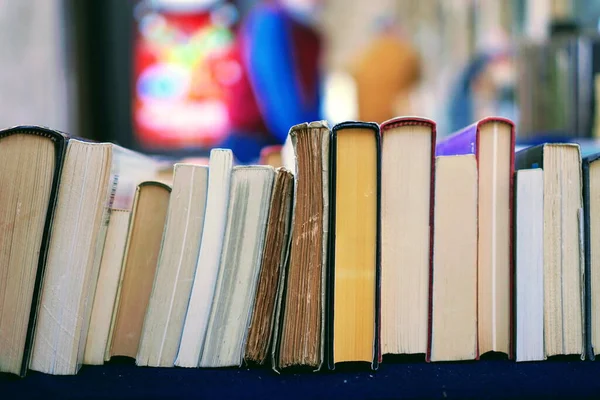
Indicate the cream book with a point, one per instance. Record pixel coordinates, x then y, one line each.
209 259
30 162
563 243
454 287
133 171
240 265
407 173
90 180
139 267
163 322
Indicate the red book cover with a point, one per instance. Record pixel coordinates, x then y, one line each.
405 121
467 141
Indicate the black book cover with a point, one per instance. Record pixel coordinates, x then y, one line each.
60 144
587 252
331 261
530 157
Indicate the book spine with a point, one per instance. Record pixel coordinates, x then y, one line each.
587 260
511 243
378 356
431 232
330 270
326 166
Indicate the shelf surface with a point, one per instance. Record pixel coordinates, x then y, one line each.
482 379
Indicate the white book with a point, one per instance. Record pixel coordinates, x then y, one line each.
133 171
209 259
405 230
529 244
163 323
106 288
240 265
95 178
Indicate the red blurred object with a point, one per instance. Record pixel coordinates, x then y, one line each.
185 64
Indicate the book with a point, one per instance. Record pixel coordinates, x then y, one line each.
30 163
132 171
299 336
563 262
591 215
209 259
272 270
453 325
163 323
243 245
407 177
354 255
106 288
529 262
93 178
492 141
377 245
139 266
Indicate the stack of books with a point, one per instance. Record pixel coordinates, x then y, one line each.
375 239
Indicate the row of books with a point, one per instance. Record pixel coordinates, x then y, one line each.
374 240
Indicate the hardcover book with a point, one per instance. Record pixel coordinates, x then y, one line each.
591 215
492 141
31 159
407 194
564 328
354 269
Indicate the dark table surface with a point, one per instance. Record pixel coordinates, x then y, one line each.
492 379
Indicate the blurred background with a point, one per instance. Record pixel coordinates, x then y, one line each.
178 77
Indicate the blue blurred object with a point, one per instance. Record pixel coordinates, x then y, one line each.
461 100
282 56
461 108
